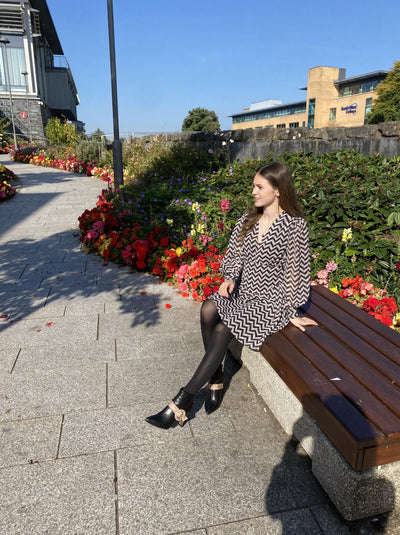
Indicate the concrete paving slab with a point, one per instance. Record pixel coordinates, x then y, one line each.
49 392
148 379
292 523
220 469
85 308
196 532
64 356
114 428
159 320
59 497
50 330
137 304
81 295
330 522
7 359
13 298
46 311
132 347
29 440
59 267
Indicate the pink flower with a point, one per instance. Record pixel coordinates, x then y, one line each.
183 287
204 240
225 205
91 235
331 266
323 274
98 227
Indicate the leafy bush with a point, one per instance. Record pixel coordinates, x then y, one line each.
61 132
338 191
143 160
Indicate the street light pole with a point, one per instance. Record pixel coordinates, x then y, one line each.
4 41
117 145
27 104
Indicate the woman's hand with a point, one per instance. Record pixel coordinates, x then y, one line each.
302 322
226 288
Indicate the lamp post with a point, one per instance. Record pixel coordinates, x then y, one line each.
27 104
117 145
4 41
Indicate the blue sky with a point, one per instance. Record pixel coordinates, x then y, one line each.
221 55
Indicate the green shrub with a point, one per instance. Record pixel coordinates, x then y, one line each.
338 191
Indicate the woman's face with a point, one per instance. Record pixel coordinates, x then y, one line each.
264 193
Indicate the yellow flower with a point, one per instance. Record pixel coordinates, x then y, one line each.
170 222
195 206
178 251
347 235
334 289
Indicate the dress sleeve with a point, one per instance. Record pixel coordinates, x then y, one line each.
232 264
297 270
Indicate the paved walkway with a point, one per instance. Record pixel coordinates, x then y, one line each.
84 357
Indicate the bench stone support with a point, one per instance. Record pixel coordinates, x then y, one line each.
355 494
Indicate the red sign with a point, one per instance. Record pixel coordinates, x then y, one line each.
23 114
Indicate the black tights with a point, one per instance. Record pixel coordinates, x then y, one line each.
216 338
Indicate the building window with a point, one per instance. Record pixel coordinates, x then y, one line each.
368 109
311 112
359 88
283 125
293 125
332 114
267 114
16 66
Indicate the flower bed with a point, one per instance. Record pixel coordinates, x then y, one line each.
67 162
178 227
6 190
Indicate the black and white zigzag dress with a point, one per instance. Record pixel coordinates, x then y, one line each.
272 279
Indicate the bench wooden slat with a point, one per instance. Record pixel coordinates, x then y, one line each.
320 347
345 426
383 383
349 316
377 326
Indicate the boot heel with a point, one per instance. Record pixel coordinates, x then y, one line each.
215 393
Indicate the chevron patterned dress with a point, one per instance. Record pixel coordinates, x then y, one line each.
272 279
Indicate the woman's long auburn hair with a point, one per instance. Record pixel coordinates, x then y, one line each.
278 175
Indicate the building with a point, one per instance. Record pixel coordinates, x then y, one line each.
42 85
332 100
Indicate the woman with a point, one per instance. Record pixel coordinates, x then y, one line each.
267 278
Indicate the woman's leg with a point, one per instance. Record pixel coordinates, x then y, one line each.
212 360
216 338
209 318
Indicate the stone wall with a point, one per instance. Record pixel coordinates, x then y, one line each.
248 143
39 115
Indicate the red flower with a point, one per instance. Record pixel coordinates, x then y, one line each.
168 305
207 291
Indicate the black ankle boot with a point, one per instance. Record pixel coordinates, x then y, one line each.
215 393
176 411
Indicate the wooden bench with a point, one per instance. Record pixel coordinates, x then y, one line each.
342 378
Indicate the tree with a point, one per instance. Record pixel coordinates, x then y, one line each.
98 135
201 120
386 107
